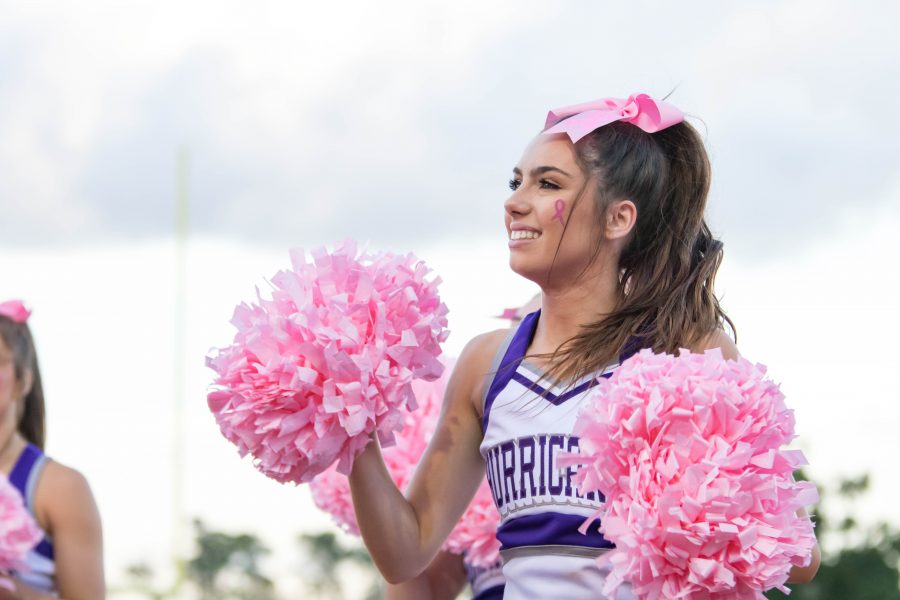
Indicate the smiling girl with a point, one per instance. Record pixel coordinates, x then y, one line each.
68 562
606 215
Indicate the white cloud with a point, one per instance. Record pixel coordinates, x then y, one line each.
315 121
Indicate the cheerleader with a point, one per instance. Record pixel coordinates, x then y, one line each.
68 562
606 215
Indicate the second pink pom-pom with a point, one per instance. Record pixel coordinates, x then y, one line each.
700 499
328 360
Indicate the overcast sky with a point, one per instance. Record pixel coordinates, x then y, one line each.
399 123
317 121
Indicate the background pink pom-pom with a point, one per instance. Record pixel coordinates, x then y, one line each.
700 498
328 360
331 493
18 531
475 533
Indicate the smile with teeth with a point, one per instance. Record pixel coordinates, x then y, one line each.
521 234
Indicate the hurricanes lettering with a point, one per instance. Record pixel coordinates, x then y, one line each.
523 473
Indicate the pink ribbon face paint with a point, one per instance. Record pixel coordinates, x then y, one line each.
560 206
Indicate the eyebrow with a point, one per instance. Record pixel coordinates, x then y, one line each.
537 171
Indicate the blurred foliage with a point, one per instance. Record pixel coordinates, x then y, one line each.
141 578
858 562
329 560
227 566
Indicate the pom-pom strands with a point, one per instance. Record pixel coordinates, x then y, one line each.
476 531
328 361
18 531
331 490
700 498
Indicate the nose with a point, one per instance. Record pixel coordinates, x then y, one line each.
516 205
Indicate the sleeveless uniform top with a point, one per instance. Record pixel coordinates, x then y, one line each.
526 426
24 476
486 582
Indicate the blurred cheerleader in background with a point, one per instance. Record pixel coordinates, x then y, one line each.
68 562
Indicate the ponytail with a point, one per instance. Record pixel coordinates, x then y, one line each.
666 298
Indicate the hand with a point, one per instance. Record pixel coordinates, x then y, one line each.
14 589
8 588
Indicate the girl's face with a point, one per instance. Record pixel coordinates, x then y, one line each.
550 195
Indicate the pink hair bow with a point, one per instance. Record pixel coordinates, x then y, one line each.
15 310
639 109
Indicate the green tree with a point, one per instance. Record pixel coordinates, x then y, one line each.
858 562
141 580
227 566
328 559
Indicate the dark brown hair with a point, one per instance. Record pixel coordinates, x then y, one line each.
17 336
668 265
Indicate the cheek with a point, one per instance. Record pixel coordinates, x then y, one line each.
6 388
579 218
7 377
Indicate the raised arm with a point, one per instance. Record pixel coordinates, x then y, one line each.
403 534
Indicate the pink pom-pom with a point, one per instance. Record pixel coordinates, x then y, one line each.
331 492
328 360
700 498
476 531
18 531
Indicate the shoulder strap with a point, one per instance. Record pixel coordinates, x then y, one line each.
21 472
24 476
506 361
33 477
495 366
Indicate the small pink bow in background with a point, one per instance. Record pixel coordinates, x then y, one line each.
639 109
15 310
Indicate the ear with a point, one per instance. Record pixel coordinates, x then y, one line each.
621 217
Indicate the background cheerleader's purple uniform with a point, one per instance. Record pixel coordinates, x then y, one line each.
24 477
486 582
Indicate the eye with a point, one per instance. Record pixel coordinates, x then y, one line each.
514 184
548 185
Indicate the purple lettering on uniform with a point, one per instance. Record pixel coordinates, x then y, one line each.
498 482
555 441
492 477
571 445
542 486
489 471
509 470
526 466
